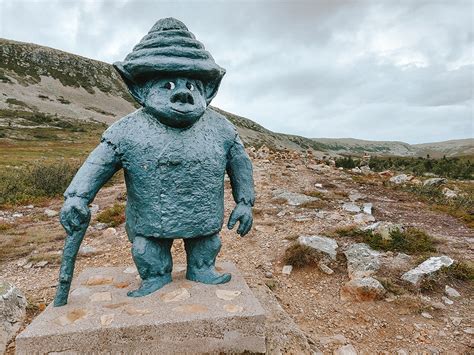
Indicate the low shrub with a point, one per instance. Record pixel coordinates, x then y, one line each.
299 255
113 216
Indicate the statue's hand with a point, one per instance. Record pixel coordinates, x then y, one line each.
242 213
75 214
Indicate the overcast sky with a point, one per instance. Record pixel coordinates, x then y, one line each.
378 70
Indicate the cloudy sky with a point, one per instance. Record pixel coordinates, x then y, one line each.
379 70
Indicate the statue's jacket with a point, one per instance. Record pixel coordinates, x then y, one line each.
174 177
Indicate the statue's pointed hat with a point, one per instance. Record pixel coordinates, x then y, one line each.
170 48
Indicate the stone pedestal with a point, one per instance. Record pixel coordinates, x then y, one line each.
182 317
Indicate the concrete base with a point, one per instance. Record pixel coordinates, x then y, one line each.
183 317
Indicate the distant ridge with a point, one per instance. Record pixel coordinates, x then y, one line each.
52 83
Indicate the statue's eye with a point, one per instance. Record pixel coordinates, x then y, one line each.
190 86
170 85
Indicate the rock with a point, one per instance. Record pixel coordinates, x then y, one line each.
268 275
447 300
346 350
427 268
318 185
339 339
41 263
399 179
362 289
28 266
30 207
365 170
326 269
356 170
469 331
228 295
363 218
22 262
109 232
451 292
87 250
12 312
293 198
386 228
367 208
426 315
94 208
50 213
449 193
362 261
386 173
350 207
287 269
456 321
399 261
100 226
17 215
323 245
319 167
435 182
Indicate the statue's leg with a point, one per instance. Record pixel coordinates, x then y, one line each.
201 254
152 256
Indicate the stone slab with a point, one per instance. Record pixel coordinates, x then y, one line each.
182 317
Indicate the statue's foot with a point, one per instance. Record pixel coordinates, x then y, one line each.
150 285
207 276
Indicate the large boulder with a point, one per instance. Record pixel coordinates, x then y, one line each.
427 268
12 312
362 261
324 245
362 289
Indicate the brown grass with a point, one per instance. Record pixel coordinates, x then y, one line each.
113 216
299 255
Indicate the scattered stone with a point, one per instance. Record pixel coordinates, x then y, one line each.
402 352
22 262
50 213
362 261
227 295
469 330
386 173
94 208
447 300
323 245
100 226
386 228
426 315
451 292
362 289
287 269
41 263
400 179
435 182
180 294
12 312
268 274
293 198
356 170
319 167
326 269
367 208
363 218
28 266
318 185
346 350
339 339
449 193
87 250
350 207
17 215
365 170
109 232
30 207
354 196
427 268
456 321
101 297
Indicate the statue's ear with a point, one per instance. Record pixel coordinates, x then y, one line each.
134 88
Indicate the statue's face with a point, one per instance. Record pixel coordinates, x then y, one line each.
175 102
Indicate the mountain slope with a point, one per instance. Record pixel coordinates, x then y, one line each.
45 88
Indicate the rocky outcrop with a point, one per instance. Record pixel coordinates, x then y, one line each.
12 312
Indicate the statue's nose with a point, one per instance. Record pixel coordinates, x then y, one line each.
183 97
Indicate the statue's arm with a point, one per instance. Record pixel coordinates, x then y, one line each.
239 169
98 168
